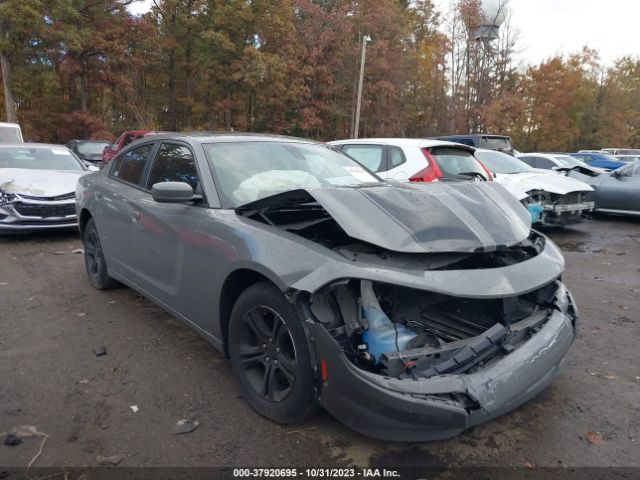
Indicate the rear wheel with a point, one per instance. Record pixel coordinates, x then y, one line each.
270 355
94 259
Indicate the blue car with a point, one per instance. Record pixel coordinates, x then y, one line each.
599 160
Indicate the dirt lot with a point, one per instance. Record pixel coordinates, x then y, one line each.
51 320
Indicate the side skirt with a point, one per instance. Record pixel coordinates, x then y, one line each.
217 343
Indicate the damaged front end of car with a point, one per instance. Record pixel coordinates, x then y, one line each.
419 337
414 364
552 209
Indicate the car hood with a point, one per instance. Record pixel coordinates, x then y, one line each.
521 183
416 218
39 183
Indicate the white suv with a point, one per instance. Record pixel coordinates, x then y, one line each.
10 133
416 160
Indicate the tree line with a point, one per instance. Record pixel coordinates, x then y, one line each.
91 69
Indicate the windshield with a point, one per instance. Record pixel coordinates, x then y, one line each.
10 135
502 144
91 148
604 156
627 158
249 171
498 162
568 161
42 158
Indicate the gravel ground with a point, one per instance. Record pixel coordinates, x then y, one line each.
51 321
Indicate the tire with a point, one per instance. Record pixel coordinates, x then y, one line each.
270 355
94 259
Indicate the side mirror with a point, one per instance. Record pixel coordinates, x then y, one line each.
172 192
617 174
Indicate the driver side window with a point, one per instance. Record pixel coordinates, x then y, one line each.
174 163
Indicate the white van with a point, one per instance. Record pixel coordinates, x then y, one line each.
10 133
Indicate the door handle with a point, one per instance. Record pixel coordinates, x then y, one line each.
98 195
135 215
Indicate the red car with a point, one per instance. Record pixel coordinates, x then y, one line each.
125 139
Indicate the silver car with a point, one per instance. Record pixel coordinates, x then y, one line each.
37 187
616 192
408 311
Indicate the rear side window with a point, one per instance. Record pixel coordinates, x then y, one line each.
396 157
174 163
129 166
371 156
454 162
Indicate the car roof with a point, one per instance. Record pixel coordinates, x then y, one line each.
405 142
549 155
32 145
209 137
137 132
9 124
85 141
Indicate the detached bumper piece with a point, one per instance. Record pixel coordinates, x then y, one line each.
558 210
573 208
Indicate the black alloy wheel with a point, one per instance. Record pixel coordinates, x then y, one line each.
269 353
94 259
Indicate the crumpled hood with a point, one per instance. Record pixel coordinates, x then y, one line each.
418 218
521 183
39 183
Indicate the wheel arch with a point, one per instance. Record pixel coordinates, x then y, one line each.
83 218
235 283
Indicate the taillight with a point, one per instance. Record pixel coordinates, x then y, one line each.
489 176
429 174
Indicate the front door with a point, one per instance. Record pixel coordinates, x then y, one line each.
621 189
163 234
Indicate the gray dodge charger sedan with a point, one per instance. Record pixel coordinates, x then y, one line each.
408 311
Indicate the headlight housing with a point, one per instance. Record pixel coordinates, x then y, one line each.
6 198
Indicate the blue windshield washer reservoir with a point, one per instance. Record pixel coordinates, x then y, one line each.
383 335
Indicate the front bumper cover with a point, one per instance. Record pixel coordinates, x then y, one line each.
427 409
41 215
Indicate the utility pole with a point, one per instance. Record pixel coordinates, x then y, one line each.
365 40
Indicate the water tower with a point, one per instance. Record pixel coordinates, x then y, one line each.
493 14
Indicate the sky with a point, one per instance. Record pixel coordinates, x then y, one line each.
550 27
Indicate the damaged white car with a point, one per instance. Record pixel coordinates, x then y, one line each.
552 200
37 187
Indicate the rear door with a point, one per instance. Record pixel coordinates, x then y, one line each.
372 156
112 211
388 161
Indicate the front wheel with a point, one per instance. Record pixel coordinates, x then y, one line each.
270 355
94 259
